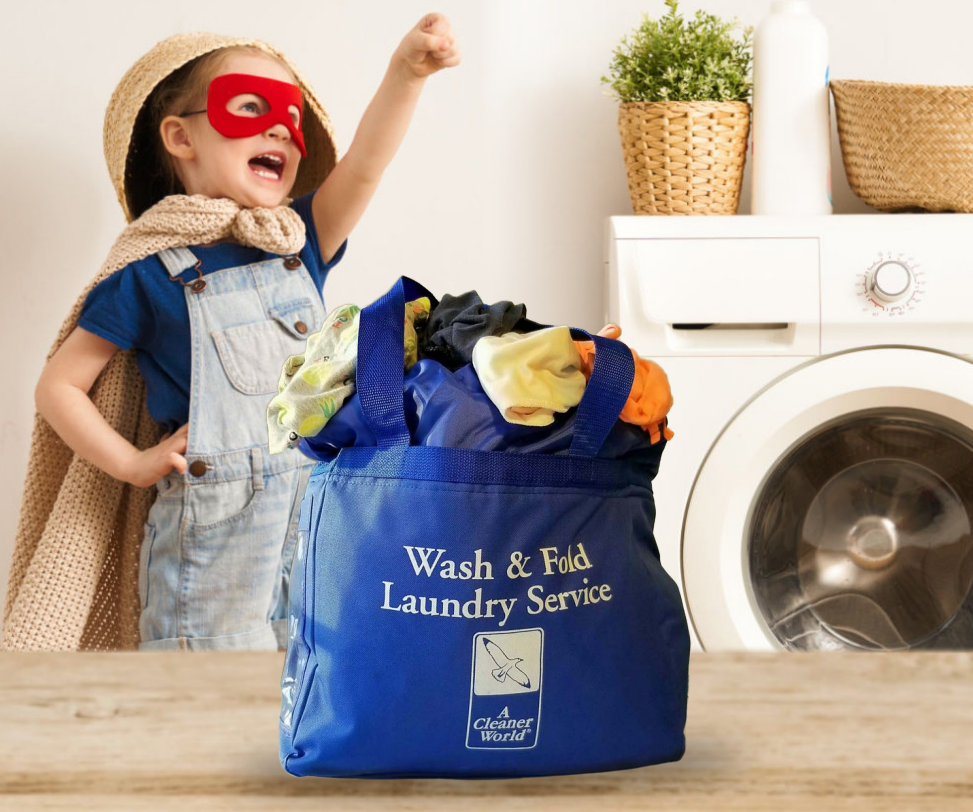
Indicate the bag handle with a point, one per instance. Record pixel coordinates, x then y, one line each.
379 377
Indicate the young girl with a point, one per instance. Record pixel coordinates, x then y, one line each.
214 284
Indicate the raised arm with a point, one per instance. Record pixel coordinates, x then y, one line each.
341 200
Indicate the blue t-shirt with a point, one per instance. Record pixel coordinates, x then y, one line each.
141 307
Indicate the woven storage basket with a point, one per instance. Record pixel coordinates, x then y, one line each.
907 146
684 157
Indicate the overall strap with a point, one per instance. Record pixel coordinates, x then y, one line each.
176 260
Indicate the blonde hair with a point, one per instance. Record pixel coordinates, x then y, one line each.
182 91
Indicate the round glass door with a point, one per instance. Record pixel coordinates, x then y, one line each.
860 536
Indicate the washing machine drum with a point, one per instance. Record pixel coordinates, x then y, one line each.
835 510
861 535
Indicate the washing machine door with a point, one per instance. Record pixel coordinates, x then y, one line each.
834 511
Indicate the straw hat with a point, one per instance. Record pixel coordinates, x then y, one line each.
135 180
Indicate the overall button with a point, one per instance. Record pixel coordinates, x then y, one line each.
198 286
300 326
198 468
292 263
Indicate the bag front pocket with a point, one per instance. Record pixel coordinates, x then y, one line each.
502 621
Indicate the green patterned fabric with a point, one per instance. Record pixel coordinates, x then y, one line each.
315 384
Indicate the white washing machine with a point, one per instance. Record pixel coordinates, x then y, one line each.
818 491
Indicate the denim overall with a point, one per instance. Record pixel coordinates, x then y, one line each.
219 540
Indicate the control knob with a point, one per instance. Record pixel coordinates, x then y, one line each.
892 281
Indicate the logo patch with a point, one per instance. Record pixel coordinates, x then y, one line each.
505 690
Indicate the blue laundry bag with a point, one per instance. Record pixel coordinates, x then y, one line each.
461 613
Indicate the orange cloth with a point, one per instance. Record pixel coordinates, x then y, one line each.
650 399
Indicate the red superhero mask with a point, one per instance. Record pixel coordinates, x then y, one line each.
277 97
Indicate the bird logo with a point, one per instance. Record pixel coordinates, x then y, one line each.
506 666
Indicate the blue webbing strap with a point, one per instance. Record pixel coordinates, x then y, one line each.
381 334
380 374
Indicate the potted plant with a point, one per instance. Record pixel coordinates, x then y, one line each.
684 115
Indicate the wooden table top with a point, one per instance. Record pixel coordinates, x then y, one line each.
198 731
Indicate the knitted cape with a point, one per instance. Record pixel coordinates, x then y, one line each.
73 581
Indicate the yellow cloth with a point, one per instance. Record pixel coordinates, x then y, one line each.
530 376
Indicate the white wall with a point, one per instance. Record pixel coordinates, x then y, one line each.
502 185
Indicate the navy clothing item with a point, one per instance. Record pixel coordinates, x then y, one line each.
458 322
141 307
450 410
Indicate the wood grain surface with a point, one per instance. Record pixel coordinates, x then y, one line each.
184 732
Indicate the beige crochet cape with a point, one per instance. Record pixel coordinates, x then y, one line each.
73 581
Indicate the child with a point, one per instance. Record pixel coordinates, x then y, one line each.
209 290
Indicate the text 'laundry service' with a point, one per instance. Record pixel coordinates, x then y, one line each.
434 563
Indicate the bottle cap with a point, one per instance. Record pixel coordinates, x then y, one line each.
792 6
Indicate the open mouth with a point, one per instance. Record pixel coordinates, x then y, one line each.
268 165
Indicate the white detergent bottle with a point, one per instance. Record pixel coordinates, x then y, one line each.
791 130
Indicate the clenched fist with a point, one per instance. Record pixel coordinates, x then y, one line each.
430 46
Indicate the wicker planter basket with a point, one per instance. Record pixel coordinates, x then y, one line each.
684 157
907 146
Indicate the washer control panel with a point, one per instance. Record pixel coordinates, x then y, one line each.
892 285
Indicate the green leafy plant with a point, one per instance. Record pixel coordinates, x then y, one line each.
675 59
